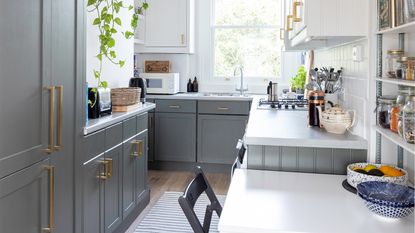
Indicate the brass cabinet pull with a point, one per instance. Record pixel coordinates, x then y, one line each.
282 33
296 4
174 106
223 109
103 175
110 167
51 173
60 115
139 150
50 148
289 19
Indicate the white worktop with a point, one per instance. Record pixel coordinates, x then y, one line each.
285 202
94 125
272 127
204 96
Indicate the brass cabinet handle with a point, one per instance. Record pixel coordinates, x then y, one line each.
140 150
60 115
289 19
103 175
282 33
50 148
223 109
174 106
51 173
296 4
110 167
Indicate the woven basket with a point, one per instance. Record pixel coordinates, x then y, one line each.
125 96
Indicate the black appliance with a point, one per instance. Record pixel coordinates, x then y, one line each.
141 83
102 104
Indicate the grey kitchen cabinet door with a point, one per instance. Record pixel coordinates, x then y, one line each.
130 149
93 177
151 129
141 166
218 136
25 64
25 200
175 137
113 190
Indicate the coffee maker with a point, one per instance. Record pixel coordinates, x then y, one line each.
315 98
141 83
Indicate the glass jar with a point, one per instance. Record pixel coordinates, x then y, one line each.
400 125
408 118
406 68
396 109
392 61
383 110
409 10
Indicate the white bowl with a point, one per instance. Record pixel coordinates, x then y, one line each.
355 178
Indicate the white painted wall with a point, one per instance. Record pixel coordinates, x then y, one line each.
114 75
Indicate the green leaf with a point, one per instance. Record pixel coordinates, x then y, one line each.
121 63
145 6
128 34
104 84
130 7
91 2
96 74
99 56
93 90
96 21
113 30
112 54
107 27
111 43
117 21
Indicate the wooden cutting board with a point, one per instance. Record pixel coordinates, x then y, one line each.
126 108
157 66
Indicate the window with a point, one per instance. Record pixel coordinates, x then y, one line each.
246 33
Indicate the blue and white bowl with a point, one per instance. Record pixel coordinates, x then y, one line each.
354 178
387 199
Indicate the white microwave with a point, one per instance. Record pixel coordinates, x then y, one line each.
162 83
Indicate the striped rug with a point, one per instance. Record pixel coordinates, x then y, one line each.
167 216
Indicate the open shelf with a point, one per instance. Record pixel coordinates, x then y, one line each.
395 138
396 81
405 28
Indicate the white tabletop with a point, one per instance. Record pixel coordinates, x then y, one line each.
269 201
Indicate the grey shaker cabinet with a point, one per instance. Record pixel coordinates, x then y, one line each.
25 200
151 129
218 136
175 137
128 160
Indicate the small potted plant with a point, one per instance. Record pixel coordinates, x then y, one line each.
297 82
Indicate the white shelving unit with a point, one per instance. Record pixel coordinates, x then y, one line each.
396 81
395 138
405 28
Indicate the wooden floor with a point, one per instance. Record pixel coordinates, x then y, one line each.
176 181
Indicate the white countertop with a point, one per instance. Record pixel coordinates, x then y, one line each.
290 128
94 125
285 202
204 96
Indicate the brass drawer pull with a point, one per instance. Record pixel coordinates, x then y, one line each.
51 173
289 22
139 150
60 115
50 148
110 167
223 109
174 106
104 174
295 12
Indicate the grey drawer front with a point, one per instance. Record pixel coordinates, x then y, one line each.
224 107
142 122
182 106
129 128
113 136
93 145
151 101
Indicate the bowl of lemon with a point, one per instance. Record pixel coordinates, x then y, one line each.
363 172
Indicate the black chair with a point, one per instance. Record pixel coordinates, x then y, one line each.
240 157
188 200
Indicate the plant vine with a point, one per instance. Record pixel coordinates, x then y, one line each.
108 22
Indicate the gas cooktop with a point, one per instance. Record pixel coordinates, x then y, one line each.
283 104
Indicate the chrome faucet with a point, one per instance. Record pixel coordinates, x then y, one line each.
241 88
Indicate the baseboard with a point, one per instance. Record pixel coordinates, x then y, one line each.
142 204
189 166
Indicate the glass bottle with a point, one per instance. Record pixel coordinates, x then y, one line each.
392 61
383 112
408 118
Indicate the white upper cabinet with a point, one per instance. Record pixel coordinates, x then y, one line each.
169 27
311 24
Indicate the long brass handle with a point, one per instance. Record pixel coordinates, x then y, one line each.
289 18
174 106
51 173
223 109
50 148
282 33
139 150
295 12
110 167
103 175
60 116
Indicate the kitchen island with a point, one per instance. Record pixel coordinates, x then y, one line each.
280 139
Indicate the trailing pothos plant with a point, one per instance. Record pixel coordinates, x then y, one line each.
109 23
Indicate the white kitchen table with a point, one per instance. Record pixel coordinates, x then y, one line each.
270 201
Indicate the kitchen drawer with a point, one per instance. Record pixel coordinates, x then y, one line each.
129 128
142 122
113 136
224 107
93 145
179 106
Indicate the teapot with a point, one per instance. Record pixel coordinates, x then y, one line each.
336 120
